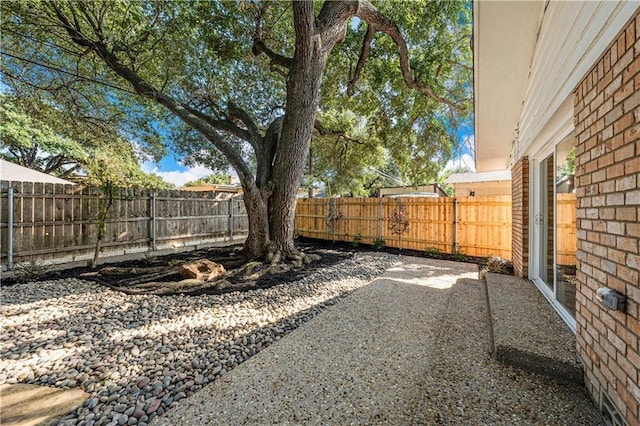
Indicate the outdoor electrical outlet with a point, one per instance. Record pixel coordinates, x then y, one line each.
611 299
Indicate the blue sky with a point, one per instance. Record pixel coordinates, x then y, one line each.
170 169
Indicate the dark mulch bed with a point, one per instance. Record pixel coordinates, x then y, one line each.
160 274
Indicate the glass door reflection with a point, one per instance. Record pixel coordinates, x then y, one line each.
565 219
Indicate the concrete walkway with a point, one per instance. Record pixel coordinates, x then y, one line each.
413 347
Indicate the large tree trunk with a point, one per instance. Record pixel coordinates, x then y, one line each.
303 93
257 243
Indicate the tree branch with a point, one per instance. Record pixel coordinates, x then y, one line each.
364 53
276 59
240 113
224 125
323 131
145 89
368 13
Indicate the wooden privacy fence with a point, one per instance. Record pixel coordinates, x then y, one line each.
59 223
476 226
566 238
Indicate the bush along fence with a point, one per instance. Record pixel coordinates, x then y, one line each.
475 226
59 223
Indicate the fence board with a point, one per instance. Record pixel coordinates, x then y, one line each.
566 238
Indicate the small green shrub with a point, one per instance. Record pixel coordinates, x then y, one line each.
378 243
433 253
356 240
460 256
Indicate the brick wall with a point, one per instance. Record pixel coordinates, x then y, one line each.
607 120
520 217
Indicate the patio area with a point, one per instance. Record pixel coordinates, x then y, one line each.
413 347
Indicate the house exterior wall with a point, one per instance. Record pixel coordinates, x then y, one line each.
520 217
607 125
482 188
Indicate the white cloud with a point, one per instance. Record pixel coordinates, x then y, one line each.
178 177
465 160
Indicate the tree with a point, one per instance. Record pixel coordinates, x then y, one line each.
39 137
192 59
35 145
213 179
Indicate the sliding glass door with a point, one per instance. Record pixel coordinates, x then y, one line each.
554 228
565 224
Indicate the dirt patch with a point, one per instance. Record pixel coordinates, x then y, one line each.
26 405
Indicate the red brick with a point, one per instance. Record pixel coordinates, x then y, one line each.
612 88
626 182
628 274
616 228
608 213
630 72
615 171
633 325
630 35
632 134
629 401
624 92
627 244
630 167
633 230
615 142
616 199
622 52
608 186
629 338
626 214
616 255
623 123
613 52
613 116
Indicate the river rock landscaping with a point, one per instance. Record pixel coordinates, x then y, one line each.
138 355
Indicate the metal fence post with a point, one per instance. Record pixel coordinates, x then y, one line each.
455 225
9 229
154 242
327 217
231 224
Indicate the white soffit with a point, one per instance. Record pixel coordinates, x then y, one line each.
573 36
505 34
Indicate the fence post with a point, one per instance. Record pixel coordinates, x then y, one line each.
9 229
455 226
380 218
327 216
231 219
153 222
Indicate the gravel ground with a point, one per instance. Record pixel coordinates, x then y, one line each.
466 386
410 348
139 355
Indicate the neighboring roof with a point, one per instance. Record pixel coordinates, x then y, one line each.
397 190
14 172
213 187
499 176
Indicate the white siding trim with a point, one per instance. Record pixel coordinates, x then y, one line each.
573 37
